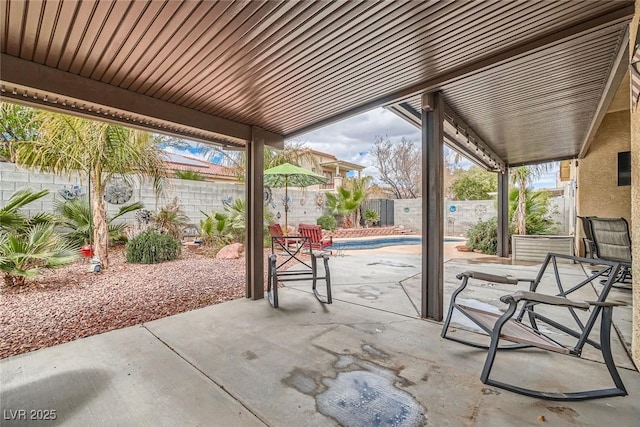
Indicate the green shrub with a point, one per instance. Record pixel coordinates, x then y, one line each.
484 236
151 247
327 222
370 216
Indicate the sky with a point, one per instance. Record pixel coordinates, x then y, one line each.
353 138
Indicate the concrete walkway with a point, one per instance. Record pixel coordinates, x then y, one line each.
365 360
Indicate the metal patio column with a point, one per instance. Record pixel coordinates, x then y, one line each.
432 206
254 190
503 213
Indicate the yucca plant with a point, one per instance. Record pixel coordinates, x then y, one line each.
171 219
27 245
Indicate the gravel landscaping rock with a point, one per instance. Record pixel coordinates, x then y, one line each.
70 303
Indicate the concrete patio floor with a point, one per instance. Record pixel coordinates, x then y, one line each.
367 359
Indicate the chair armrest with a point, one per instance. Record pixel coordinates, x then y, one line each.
543 299
489 277
606 304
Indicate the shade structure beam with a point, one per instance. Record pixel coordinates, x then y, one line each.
254 215
432 206
457 134
503 214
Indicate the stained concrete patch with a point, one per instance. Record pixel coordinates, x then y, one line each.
361 393
365 292
368 398
374 352
392 264
304 381
565 413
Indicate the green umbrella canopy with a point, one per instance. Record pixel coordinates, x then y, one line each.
288 175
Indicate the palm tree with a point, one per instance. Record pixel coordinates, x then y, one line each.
76 215
98 151
360 189
294 152
537 204
523 176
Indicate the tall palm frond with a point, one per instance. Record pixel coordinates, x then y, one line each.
11 218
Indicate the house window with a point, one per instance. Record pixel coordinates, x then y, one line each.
624 168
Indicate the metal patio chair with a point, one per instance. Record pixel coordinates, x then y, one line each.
316 240
527 323
612 242
587 240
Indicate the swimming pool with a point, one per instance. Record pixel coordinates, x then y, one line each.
380 242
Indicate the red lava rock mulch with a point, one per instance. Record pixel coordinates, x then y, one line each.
70 303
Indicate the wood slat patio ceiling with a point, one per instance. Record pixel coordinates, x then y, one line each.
290 66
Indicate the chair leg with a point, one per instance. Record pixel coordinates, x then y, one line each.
445 326
605 342
327 278
605 335
272 281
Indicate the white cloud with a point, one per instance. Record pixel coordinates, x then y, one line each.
351 139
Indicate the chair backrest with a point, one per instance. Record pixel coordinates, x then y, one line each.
586 226
611 238
314 233
275 230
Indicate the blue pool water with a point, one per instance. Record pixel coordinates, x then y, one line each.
384 241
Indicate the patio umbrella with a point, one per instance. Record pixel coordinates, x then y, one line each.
287 175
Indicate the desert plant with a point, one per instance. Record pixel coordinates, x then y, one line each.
171 219
538 216
522 176
151 247
214 231
27 245
346 203
327 222
370 216
189 175
76 216
12 220
484 236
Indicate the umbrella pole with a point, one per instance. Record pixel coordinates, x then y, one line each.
286 205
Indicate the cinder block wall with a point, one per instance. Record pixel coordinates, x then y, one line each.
459 215
193 196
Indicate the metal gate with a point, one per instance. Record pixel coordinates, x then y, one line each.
384 208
